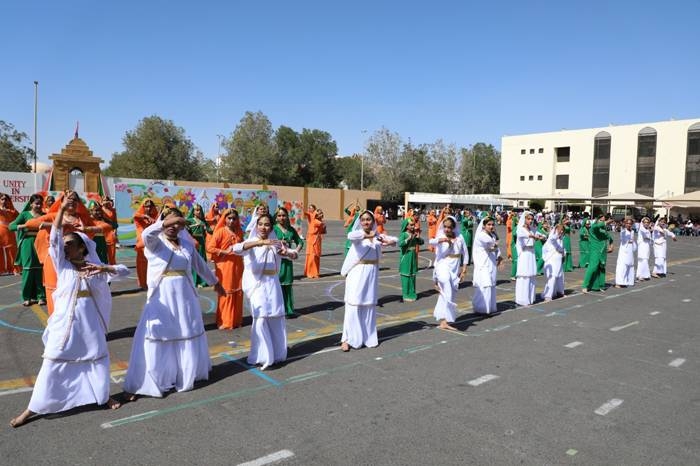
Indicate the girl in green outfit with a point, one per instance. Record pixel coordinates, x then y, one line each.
542 229
199 229
568 259
32 282
289 236
583 241
600 243
468 232
514 251
352 211
408 261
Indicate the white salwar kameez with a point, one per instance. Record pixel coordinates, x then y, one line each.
75 370
361 269
485 254
527 265
658 236
624 271
261 284
643 253
170 346
553 253
449 256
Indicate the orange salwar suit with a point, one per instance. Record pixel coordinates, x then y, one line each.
379 219
142 220
509 235
8 240
41 244
314 241
432 228
229 271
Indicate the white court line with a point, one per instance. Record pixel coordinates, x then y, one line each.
676 362
608 406
573 344
617 329
17 390
655 313
116 422
271 458
482 379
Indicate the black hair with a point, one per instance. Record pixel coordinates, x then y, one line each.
171 211
76 237
34 197
448 219
267 216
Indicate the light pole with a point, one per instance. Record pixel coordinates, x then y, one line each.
36 108
218 156
362 165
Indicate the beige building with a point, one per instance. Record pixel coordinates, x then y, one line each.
659 159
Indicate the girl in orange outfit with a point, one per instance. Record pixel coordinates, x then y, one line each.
509 234
105 240
379 219
146 215
229 269
8 240
212 219
314 241
432 228
75 219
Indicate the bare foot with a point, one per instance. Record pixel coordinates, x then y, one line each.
130 396
113 404
344 347
445 326
21 419
584 290
437 287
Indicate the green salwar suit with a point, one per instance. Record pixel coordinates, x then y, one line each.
32 279
292 240
199 229
408 262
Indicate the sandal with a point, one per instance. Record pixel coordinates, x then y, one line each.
42 302
27 303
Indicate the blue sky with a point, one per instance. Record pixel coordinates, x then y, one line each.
462 71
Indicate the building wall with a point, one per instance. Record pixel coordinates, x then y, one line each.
671 150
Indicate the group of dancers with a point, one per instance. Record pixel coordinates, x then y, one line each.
170 349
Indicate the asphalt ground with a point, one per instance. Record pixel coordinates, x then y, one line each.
601 378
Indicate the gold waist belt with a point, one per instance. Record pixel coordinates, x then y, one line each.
454 256
84 294
269 272
99 234
30 233
175 273
369 261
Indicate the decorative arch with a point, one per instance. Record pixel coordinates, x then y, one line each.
646 161
692 159
76 157
601 164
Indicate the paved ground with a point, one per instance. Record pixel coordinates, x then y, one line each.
603 378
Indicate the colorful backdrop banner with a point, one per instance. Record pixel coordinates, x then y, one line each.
129 196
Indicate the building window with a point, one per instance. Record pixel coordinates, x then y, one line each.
539 177
530 178
562 182
601 164
522 151
532 151
540 150
692 160
522 178
563 154
646 161
521 203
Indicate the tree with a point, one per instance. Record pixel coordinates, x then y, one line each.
210 172
480 169
384 163
156 149
319 149
350 172
289 155
250 152
14 152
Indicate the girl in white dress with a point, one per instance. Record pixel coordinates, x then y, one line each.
170 347
450 252
262 254
361 269
487 260
644 249
624 271
553 253
658 236
527 264
75 370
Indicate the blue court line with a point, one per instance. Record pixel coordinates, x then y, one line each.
14 327
253 370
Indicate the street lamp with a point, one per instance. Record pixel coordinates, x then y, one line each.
362 165
218 156
36 108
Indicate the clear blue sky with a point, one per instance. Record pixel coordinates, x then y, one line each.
463 71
